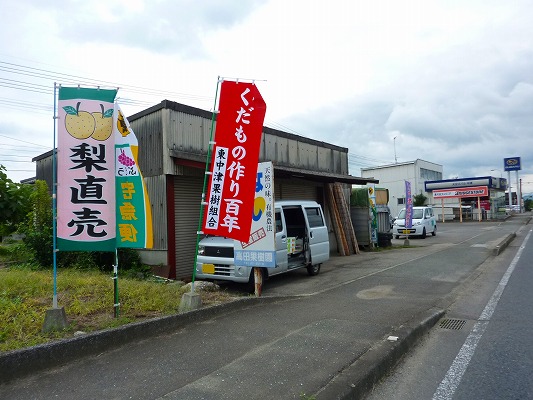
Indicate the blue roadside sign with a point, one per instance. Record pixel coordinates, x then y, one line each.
512 164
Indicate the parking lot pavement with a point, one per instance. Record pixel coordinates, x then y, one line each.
331 335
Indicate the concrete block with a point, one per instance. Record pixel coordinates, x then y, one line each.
190 301
55 320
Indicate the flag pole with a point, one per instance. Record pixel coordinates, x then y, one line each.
54 202
116 305
55 318
191 300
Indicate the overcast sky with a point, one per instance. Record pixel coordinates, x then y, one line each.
450 82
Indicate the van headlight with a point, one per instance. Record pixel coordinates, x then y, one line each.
201 250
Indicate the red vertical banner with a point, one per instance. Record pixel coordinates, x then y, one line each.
231 191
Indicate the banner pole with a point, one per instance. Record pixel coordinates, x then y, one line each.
116 305
54 202
55 318
206 174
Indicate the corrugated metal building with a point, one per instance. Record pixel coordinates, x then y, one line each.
173 144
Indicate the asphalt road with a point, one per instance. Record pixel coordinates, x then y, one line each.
484 351
296 343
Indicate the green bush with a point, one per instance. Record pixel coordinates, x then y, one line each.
38 239
419 199
37 228
127 259
359 198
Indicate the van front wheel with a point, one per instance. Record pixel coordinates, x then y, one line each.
313 270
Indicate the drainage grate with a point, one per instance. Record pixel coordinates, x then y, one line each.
454 324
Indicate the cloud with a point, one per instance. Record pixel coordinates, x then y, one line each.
451 80
164 26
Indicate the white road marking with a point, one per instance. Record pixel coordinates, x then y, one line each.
453 377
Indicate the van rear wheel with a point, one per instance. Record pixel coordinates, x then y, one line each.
313 270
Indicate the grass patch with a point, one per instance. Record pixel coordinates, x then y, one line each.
87 295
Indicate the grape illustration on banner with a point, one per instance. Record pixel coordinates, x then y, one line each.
125 160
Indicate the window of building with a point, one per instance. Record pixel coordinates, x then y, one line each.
429 175
401 201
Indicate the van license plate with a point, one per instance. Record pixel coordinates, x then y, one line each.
208 268
406 231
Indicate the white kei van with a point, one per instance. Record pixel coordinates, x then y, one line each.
301 241
424 223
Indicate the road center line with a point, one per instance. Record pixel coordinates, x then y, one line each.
453 377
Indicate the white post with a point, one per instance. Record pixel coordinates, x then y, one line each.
258 281
510 190
518 194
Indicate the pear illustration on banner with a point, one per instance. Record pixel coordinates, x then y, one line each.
79 124
103 124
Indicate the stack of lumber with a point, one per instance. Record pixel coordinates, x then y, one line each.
342 222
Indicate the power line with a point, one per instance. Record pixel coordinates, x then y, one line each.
76 79
354 160
16 161
23 141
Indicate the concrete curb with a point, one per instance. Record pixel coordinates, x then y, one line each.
360 377
20 363
503 244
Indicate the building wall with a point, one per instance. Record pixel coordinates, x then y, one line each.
173 145
393 177
174 138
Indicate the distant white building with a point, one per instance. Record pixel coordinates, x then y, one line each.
393 177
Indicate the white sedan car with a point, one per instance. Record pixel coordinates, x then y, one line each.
424 222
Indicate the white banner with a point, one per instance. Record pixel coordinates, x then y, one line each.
260 250
478 191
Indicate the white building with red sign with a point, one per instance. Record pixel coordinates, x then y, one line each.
473 198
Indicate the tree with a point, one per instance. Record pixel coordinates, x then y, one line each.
419 199
15 203
37 228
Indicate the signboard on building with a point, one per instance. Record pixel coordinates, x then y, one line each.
476 191
512 164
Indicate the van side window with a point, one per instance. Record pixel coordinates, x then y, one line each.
314 217
279 225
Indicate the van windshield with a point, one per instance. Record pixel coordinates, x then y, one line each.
417 214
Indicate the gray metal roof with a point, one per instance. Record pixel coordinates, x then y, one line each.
319 176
